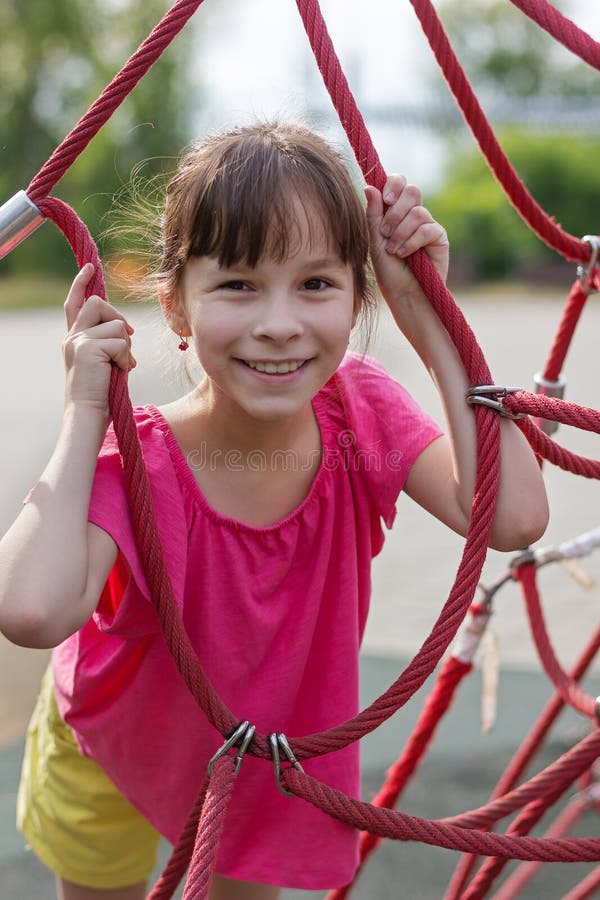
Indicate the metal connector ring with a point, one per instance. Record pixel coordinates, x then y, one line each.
279 741
243 733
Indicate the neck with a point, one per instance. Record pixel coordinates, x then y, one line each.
228 427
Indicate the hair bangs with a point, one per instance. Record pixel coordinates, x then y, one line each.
262 201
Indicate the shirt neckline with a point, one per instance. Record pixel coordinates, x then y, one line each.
189 480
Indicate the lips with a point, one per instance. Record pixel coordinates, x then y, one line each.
275 368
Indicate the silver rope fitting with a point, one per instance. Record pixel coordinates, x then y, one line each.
491 395
242 735
19 217
585 274
549 389
278 743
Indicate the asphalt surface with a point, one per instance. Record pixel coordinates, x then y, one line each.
411 580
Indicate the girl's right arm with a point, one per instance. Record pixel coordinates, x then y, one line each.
53 562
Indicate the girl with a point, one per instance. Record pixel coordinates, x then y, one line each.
270 481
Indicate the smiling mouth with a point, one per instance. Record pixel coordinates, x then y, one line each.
272 368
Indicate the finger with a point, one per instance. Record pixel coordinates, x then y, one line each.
428 236
117 351
116 328
76 296
374 206
402 232
394 186
96 310
409 198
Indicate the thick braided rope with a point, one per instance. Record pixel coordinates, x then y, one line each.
568 688
545 447
530 211
181 855
526 871
556 776
179 644
561 29
450 676
447 625
135 478
111 98
524 755
523 824
588 887
555 409
573 308
462 336
210 828
402 827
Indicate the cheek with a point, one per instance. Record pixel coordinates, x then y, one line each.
337 322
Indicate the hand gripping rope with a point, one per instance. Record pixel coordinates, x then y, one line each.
25 212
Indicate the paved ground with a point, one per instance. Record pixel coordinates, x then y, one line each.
411 580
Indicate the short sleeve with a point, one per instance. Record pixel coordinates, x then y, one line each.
125 606
388 429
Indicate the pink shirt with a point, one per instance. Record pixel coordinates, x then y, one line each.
276 615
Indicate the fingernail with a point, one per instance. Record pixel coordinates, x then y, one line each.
88 267
386 230
389 197
390 247
401 251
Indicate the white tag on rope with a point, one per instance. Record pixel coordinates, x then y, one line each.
578 574
490 673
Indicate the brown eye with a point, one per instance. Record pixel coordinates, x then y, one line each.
234 286
316 284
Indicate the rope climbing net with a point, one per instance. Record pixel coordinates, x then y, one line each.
535 413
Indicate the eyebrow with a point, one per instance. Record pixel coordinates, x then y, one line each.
325 261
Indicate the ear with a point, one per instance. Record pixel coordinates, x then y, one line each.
174 312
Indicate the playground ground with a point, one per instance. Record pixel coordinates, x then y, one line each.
411 581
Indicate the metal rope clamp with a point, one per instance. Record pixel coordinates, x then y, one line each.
491 395
19 217
280 742
243 734
585 274
549 389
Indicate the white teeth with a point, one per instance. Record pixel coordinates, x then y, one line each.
275 368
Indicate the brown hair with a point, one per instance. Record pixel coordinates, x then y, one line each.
238 195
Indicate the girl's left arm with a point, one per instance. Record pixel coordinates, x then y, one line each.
442 479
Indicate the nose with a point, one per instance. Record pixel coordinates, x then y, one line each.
278 319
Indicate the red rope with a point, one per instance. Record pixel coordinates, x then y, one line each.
562 29
483 509
524 756
557 776
438 702
570 317
111 98
210 828
545 447
553 408
563 825
586 888
439 833
180 858
522 825
568 688
530 211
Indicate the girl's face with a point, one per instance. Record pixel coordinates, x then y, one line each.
269 337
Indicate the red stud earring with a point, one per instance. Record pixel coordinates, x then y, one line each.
184 344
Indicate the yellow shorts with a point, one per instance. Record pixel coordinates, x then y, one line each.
72 815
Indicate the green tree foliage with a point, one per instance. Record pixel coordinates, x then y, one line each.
515 65
561 172
505 52
55 58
